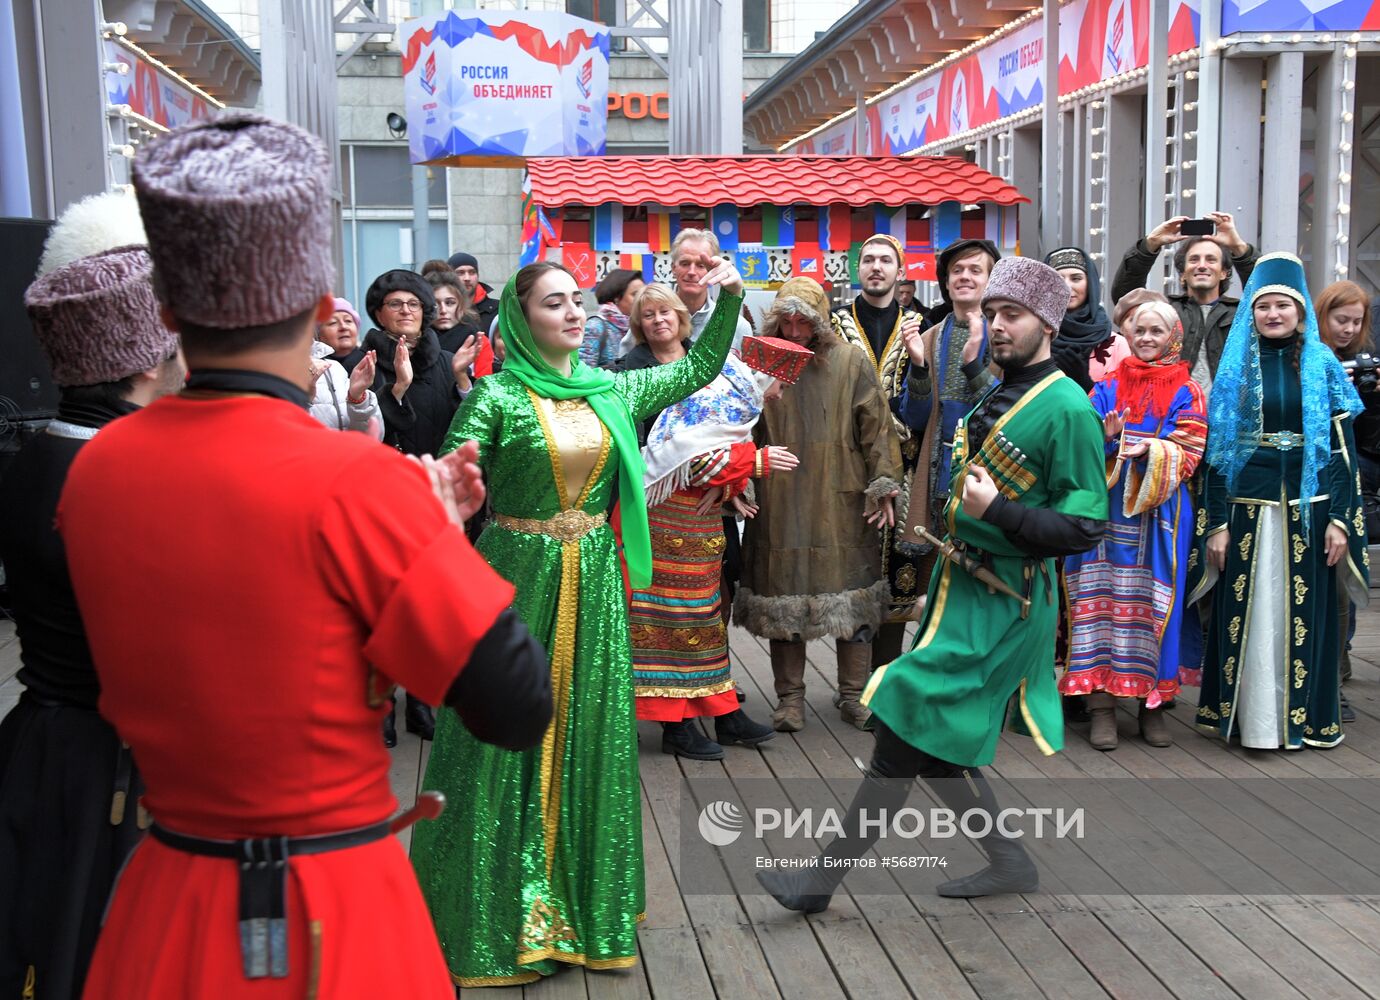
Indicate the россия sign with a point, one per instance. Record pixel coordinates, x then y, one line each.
487 88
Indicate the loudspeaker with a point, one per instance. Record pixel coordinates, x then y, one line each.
27 391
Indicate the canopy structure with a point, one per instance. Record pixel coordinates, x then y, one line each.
779 215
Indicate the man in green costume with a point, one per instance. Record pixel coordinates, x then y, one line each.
1028 487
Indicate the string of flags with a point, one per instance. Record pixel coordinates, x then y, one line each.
767 250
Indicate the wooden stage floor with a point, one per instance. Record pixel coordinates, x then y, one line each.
1052 944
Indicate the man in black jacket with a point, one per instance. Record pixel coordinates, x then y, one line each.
418 388
1204 265
482 297
69 792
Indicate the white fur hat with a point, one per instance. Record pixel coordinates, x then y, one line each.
94 224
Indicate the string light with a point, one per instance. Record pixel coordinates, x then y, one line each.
1346 97
149 57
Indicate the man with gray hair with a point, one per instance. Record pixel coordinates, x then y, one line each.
688 273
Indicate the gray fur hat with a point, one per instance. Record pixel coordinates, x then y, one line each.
97 318
1027 282
238 215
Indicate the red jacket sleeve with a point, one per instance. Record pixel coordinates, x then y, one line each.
734 475
425 596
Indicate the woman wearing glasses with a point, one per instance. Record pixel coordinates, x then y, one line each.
418 384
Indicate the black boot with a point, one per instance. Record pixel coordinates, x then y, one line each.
1010 869
419 718
1348 713
390 727
684 739
810 889
736 727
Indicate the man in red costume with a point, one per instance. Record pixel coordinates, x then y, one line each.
251 583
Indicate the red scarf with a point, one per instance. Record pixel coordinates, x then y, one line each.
1151 386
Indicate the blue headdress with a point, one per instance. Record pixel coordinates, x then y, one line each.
1234 409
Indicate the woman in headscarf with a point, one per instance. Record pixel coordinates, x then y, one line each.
540 862
699 456
1086 329
1281 524
1124 595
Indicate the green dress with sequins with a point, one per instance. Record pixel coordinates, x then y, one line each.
537 859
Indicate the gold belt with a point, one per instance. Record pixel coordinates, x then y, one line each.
567 526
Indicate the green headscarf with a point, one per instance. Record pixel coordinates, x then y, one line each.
595 386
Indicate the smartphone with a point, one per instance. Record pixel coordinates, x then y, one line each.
1198 227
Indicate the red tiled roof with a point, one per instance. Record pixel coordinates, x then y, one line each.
770 180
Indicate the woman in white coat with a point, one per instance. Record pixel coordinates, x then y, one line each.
344 402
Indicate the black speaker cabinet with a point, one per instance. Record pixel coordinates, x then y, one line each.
27 391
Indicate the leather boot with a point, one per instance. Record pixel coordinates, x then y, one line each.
737 727
889 643
390 725
788 671
684 739
1152 727
810 889
1102 711
419 718
1009 867
855 667
1348 713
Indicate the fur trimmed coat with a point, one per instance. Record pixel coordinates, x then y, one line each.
811 563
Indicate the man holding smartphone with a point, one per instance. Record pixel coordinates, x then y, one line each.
1206 252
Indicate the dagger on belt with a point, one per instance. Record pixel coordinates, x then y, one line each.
429 805
969 565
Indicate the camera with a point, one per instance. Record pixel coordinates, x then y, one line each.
1364 370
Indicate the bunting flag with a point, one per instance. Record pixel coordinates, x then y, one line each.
840 228
607 229
1000 225
754 265
920 265
723 222
920 233
580 260
550 227
948 223
531 244
778 225
890 222
662 227
807 262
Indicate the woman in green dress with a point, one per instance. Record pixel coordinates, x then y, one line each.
538 861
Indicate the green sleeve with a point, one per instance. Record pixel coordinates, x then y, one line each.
480 418
1342 476
650 390
1214 499
1077 471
